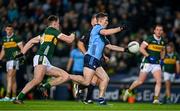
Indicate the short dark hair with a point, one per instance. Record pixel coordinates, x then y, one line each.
52 18
9 25
157 25
101 15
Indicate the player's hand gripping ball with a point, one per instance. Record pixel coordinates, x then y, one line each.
133 47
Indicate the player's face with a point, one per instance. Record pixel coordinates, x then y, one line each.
93 21
56 24
104 21
169 49
9 31
158 31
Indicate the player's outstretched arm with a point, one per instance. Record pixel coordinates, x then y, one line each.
115 48
66 38
30 43
113 30
81 47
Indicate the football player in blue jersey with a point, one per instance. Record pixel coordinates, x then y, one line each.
92 63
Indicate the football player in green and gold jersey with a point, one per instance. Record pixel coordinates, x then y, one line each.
42 60
170 67
153 49
11 46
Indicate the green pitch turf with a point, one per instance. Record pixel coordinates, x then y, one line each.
78 106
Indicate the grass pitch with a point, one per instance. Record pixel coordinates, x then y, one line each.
78 106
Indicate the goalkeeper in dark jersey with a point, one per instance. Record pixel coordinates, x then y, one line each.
41 62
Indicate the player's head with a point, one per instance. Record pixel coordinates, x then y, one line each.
170 47
9 29
53 21
93 20
158 30
102 19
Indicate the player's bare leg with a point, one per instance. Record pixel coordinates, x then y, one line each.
100 72
94 80
10 76
39 72
60 75
85 79
102 84
14 87
136 83
168 90
90 89
157 77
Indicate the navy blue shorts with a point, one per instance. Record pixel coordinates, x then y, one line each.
91 62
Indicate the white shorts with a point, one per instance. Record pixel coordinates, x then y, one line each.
42 60
147 67
12 64
169 76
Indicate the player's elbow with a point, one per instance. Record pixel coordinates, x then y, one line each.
105 32
141 49
70 40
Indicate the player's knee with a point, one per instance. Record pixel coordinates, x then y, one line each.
10 76
106 79
86 83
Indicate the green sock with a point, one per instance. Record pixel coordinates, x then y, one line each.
129 90
155 97
47 85
21 96
168 97
8 94
13 94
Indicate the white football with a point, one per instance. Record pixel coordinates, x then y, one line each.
133 47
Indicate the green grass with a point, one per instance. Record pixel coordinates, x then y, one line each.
72 105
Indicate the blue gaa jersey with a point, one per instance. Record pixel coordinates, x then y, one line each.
78 60
97 42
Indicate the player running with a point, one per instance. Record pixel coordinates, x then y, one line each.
170 67
153 49
83 46
11 46
48 40
92 63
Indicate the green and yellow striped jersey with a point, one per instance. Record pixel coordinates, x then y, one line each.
48 42
170 62
154 48
10 45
